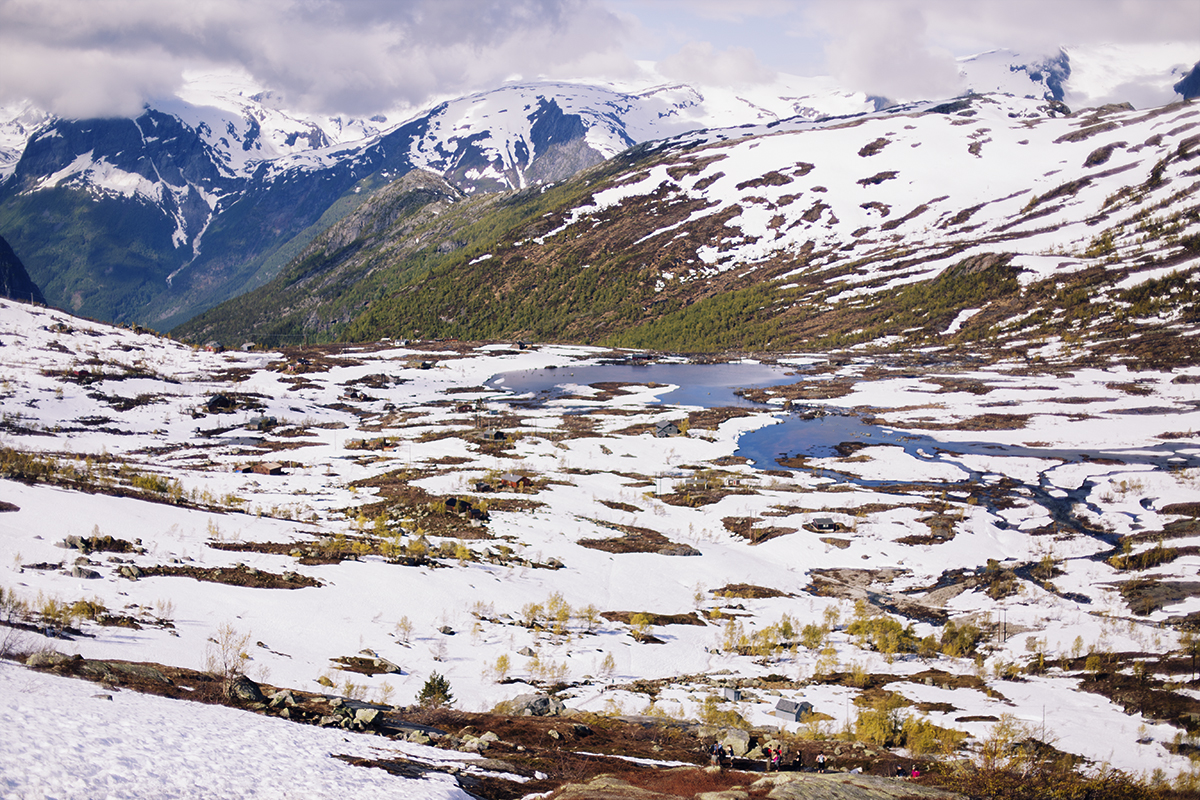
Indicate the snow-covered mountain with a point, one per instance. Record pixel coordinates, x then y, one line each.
1082 77
777 235
209 193
211 187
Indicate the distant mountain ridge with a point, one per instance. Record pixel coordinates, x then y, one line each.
986 218
208 195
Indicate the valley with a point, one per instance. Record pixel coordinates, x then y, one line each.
927 546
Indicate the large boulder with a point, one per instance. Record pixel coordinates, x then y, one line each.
537 705
366 716
244 689
736 741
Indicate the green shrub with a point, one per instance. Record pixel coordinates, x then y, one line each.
436 692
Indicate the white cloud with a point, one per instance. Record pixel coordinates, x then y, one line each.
701 63
904 49
80 57
96 57
884 50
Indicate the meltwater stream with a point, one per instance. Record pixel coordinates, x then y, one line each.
817 432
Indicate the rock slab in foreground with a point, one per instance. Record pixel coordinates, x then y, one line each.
847 786
784 786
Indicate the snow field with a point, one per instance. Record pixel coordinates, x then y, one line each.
598 479
70 740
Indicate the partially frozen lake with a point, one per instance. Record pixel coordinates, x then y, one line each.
706 385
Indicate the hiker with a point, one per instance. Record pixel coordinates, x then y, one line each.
900 773
767 753
715 754
775 757
916 773
820 762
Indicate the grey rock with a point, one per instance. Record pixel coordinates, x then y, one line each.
83 572
282 698
526 651
366 716
737 742
537 705
678 550
242 688
845 786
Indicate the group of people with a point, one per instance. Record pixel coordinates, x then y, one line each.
718 755
773 754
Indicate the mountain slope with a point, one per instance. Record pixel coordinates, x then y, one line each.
209 194
930 224
322 287
159 217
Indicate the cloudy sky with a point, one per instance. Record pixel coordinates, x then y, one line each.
102 57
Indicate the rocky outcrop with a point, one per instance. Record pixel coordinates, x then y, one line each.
113 672
608 787
846 786
783 786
